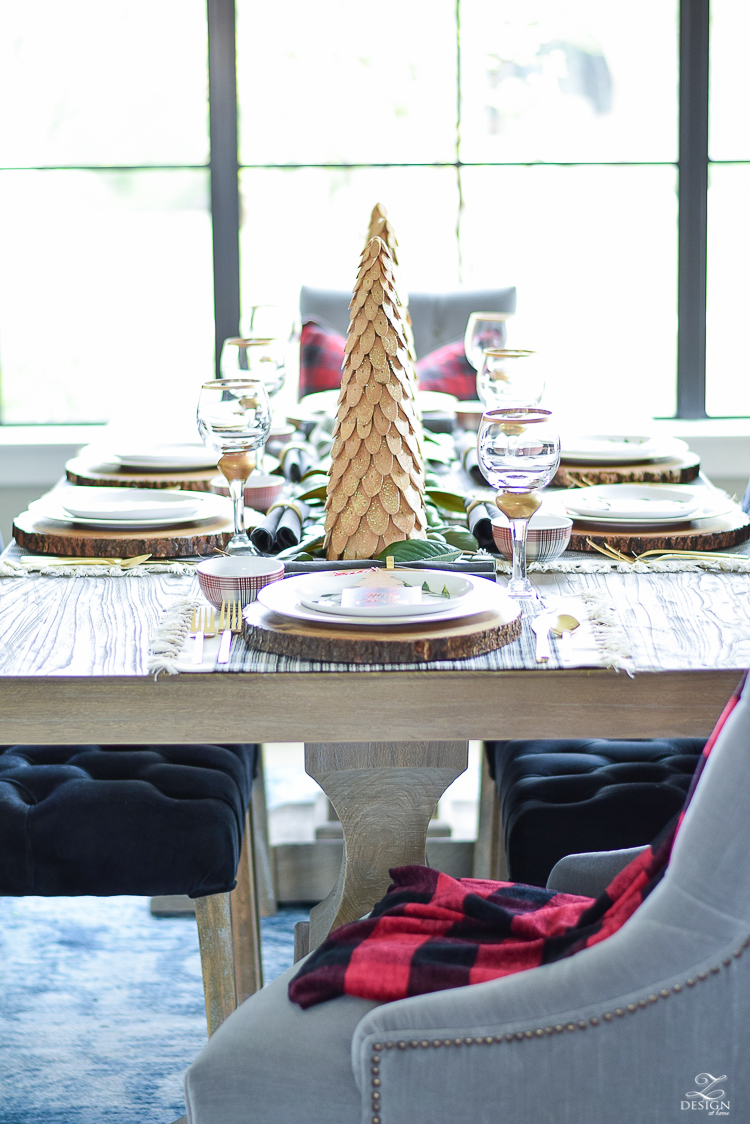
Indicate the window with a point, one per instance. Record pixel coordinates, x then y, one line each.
105 228
527 143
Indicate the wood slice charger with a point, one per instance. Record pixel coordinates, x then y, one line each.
676 470
704 534
267 631
43 536
93 473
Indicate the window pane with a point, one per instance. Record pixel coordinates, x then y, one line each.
729 135
593 252
346 83
728 296
313 223
584 80
85 82
105 293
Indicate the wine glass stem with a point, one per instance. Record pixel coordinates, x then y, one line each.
237 492
518 528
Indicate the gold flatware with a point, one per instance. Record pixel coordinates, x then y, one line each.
610 552
564 625
684 554
203 624
54 560
230 620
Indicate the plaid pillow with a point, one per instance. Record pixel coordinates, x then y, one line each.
449 371
321 355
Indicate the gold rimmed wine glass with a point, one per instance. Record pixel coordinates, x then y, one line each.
518 451
257 356
509 377
234 417
483 330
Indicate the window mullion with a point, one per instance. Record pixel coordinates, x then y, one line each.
693 189
225 202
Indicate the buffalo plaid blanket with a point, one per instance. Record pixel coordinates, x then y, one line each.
431 932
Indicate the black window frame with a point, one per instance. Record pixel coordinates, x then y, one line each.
692 174
692 170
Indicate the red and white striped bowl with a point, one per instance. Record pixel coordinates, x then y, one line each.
237 579
260 491
546 538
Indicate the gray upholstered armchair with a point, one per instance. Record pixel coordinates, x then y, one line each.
640 1027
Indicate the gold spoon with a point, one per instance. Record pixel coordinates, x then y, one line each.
564 625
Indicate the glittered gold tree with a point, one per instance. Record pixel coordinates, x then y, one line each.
375 493
382 227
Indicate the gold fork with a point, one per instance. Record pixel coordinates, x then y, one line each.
203 624
230 620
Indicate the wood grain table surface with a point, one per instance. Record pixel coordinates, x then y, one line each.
73 669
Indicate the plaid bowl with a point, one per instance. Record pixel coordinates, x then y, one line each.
237 579
260 491
546 538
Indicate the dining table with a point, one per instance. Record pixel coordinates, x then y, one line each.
383 744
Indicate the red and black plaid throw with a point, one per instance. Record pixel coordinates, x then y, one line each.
321 355
449 371
431 932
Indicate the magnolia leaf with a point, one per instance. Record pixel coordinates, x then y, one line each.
449 501
412 550
463 539
318 493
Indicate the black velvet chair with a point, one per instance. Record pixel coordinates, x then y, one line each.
562 797
146 820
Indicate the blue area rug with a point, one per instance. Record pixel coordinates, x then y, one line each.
101 1008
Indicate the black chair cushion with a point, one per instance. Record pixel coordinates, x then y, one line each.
101 820
559 798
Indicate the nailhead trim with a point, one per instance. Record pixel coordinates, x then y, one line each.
541 1031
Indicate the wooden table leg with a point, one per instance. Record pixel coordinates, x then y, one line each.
385 794
489 852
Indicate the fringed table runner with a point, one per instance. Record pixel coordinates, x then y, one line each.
598 642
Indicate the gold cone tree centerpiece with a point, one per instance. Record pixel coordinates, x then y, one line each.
382 227
375 493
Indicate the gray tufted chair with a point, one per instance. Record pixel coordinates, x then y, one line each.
634 1028
437 318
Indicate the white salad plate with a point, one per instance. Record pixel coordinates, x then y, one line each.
619 448
187 456
709 503
128 503
204 506
323 593
634 503
283 598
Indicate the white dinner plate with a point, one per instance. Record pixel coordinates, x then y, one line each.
163 457
620 448
323 593
634 503
128 503
208 506
283 598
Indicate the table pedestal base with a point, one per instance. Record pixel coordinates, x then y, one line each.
385 794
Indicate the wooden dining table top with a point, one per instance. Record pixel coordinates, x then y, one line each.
73 655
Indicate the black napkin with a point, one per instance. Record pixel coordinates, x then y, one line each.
480 522
471 465
289 530
478 567
295 460
264 535
281 528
